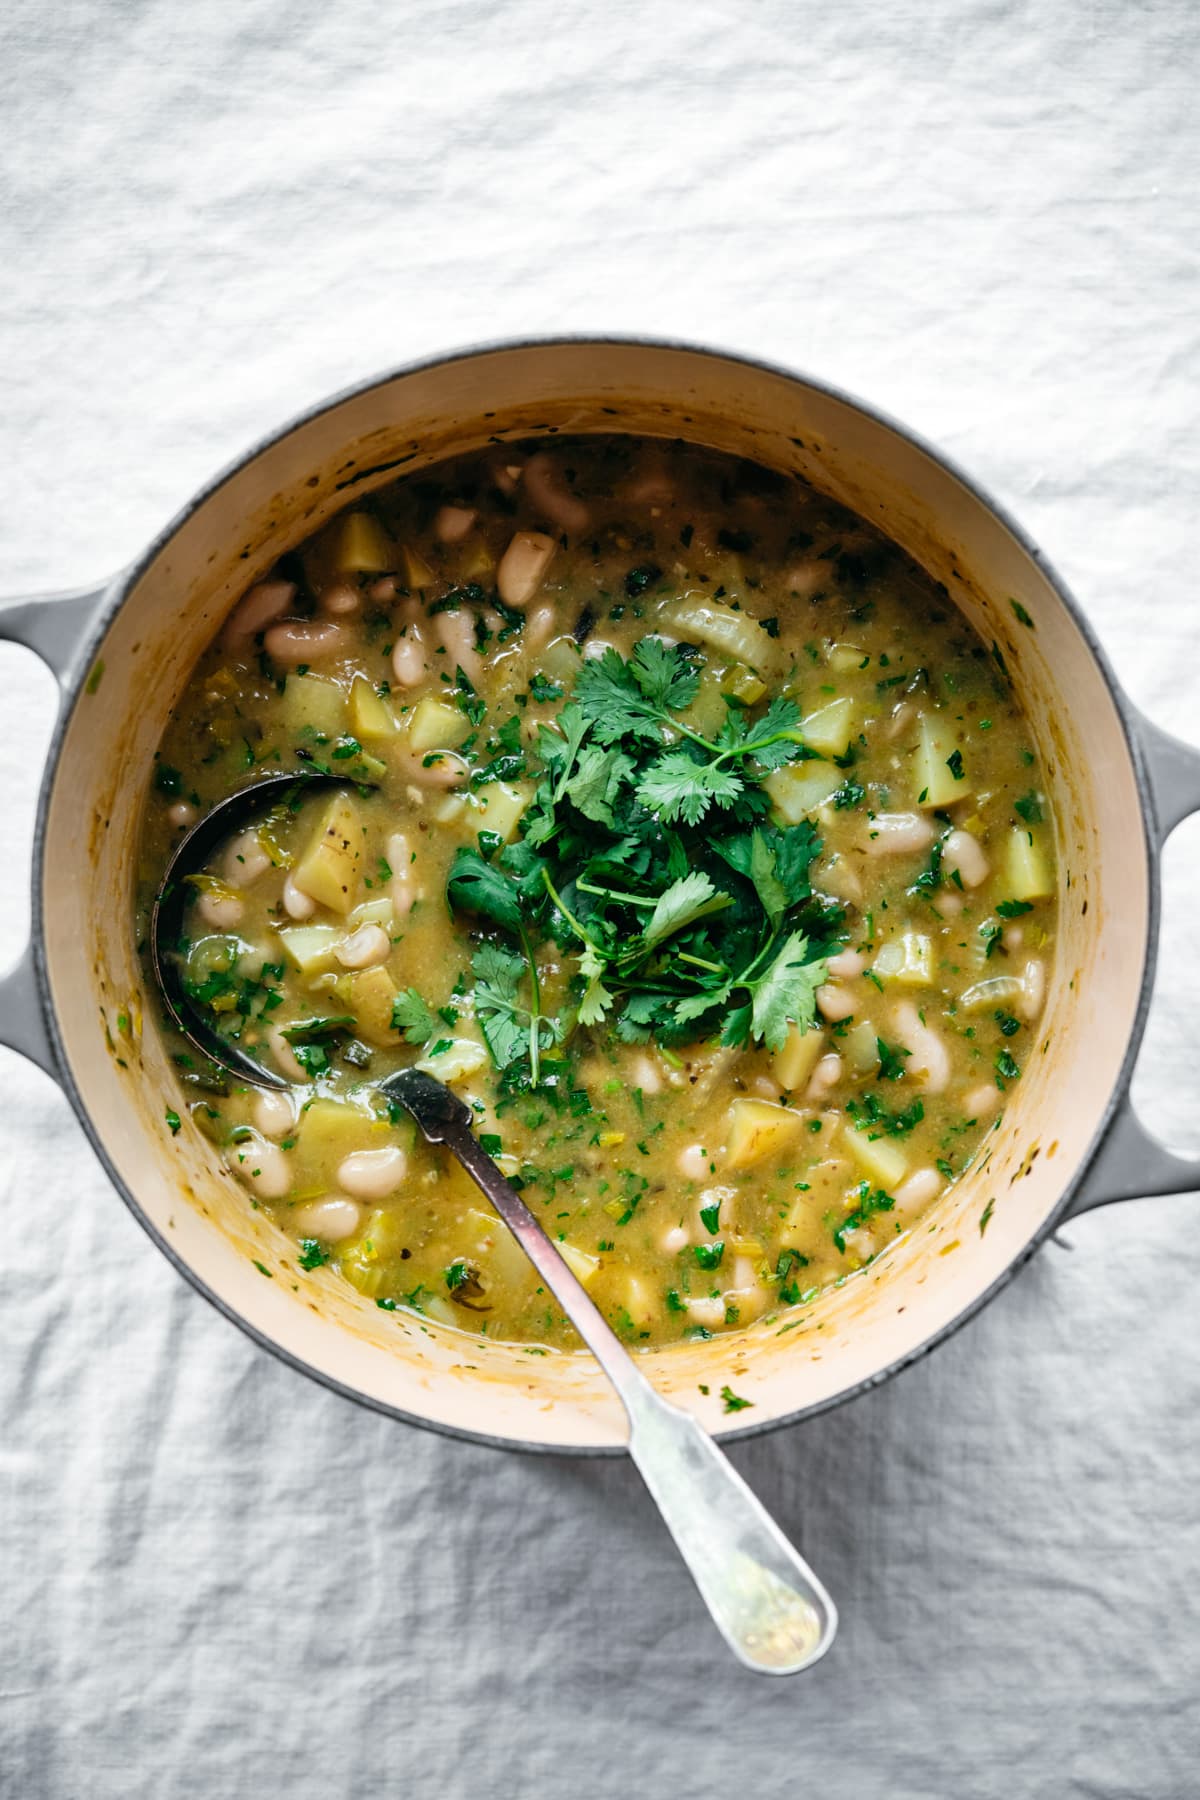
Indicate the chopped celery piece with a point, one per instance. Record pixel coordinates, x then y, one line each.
907 959
703 621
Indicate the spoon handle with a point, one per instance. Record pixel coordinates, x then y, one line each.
764 1599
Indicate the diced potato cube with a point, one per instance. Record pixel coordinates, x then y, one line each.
463 1057
707 710
417 572
1028 873
313 707
329 1130
561 661
500 805
477 561
371 998
581 1263
437 725
795 1062
374 912
880 1158
370 715
310 947
485 1239
829 729
758 1129
361 545
842 658
798 789
641 1303
939 756
332 862
702 621
860 1047
907 959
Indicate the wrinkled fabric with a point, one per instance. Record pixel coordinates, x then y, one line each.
220 1580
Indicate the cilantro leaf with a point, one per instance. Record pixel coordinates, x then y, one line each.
412 1017
596 1001
678 786
476 886
692 897
665 674
502 1019
594 787
786 993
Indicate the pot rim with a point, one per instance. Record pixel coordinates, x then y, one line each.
115 594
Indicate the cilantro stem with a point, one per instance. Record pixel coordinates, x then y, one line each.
698 962
606 893
535 1011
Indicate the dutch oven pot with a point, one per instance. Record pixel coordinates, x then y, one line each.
1069 1139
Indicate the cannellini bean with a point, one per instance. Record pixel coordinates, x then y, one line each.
846 965
304 641
244 859
548 490
372 1174
265 602
384 589
982 1101
693 1162
281 1050
506 474
929 1060
332 1219
675 1240
399 860
523 566
642 1073
1013 938
369 945
296 903
963 853
538 627
1033 986
452 523
825 1076
408 660
272 1113
707 1310
437 769
898 834
834 1003
918 1189
947 905
765 1088
804 578
456 631
902 717
262 1166
340 600
183 813
221 911
840 878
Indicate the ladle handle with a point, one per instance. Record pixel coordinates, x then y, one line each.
764 1599
55 627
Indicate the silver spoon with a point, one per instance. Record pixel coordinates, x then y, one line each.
766 1602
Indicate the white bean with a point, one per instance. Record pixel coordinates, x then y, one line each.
436 769
918 1189
373 1174
846 965
1033 985
383 590
825 1076
675 1240
221 911
262 1166
693 1162
408 660
304 641
982 1101
332 1219
964 853
834 1003
264 602
928 1057
707 1310
244 859
369 945
456 630
281 1050
546 487
947 905
539 626
901 717
641 1073
897 834
399 860
296 903
272 1112
452 523
183 813
523 566
1013 938
340 600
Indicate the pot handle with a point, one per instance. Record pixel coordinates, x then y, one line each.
56 627
1129 1163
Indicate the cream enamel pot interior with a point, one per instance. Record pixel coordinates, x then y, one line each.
1069 1139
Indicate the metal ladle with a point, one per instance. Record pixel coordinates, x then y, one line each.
766 1602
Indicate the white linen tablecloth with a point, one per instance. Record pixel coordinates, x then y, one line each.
219 1580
